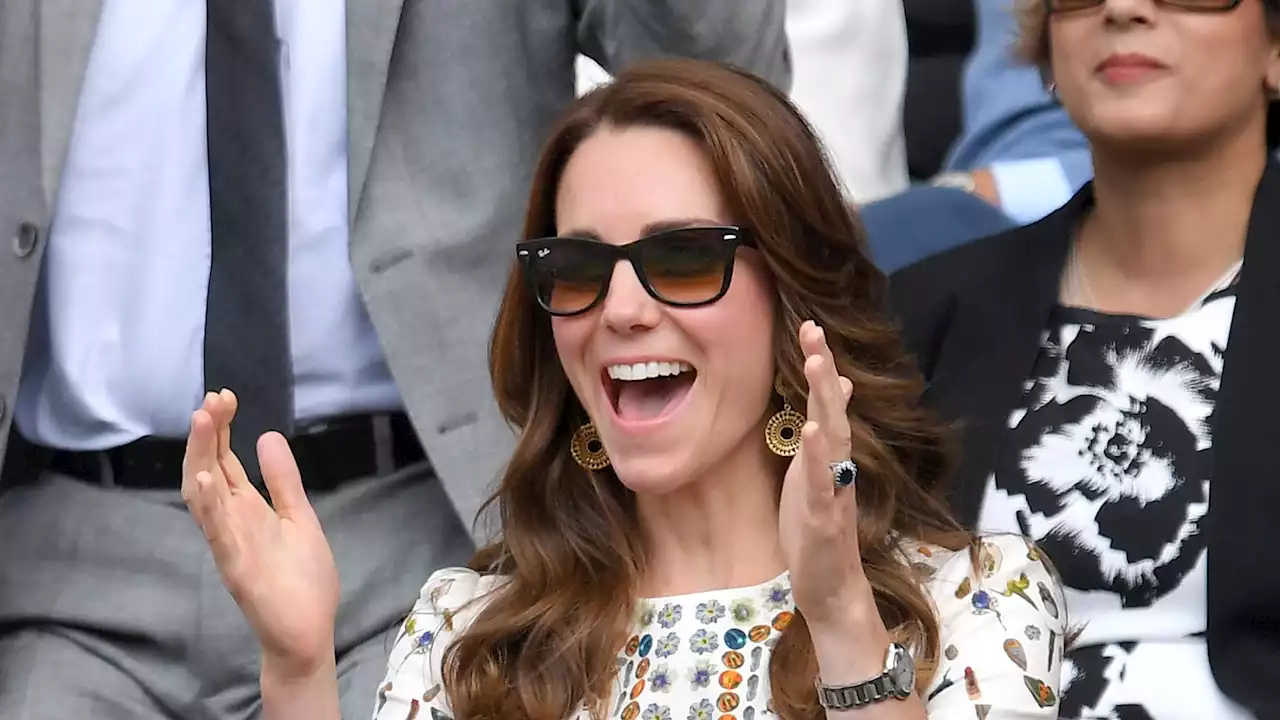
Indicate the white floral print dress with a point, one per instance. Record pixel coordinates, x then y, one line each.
705 656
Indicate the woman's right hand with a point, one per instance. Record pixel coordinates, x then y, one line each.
275 562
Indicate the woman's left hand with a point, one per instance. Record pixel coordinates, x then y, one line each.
818 522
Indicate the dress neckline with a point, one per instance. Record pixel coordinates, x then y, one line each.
784 578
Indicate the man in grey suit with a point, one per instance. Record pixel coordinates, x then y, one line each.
163 241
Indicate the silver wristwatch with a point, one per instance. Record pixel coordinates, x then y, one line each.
958 180
897 681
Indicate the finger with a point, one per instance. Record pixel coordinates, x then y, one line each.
837 402
827 405
223 413
232 468
834 408
284 481
811 345
211 511
820 488
201 452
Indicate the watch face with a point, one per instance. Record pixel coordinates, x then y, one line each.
902 673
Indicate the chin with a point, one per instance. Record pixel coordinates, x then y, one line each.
1122 123
652 475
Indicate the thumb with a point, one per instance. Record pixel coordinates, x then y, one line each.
284 480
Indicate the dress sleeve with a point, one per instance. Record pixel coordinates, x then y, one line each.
412 689
1002 633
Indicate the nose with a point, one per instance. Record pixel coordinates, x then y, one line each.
1127 12
628 307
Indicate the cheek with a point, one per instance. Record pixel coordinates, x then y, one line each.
569 335
741 333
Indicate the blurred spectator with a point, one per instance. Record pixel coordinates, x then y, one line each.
940 38
849 64
1112 365
1019 157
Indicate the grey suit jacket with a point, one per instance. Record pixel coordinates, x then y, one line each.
449 102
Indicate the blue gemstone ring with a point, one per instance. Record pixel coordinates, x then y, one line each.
844 473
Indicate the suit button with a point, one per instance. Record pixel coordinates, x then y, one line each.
24 243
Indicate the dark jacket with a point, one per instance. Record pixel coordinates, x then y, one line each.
974 317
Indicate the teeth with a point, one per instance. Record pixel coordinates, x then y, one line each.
647 371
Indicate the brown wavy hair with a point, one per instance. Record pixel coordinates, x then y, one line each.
1032 46
544 642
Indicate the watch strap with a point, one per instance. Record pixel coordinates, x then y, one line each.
958 180
849 697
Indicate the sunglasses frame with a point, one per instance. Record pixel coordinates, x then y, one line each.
1227 7
732 236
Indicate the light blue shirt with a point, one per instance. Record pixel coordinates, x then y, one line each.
1012 126
116 349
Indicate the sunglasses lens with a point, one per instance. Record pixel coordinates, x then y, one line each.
568 274
688 266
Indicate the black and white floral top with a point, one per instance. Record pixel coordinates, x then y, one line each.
1106 466
705 656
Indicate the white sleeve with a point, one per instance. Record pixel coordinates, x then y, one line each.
413 684
1002 634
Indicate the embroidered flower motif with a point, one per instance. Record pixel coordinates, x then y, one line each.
778 597
656 712
669 616
710 612
704 642
668 645
660 680
701 675
742 611
704 710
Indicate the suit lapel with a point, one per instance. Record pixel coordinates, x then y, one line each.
1244 496
991 347
371 35
67 29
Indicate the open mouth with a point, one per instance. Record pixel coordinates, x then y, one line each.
647 391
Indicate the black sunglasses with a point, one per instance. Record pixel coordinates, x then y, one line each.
684 267
1062 6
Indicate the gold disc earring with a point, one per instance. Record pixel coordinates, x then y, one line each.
782 433
588 449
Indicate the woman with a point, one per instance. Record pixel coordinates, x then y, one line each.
1114 364
677 539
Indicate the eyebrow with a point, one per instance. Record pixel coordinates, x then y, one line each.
651 228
